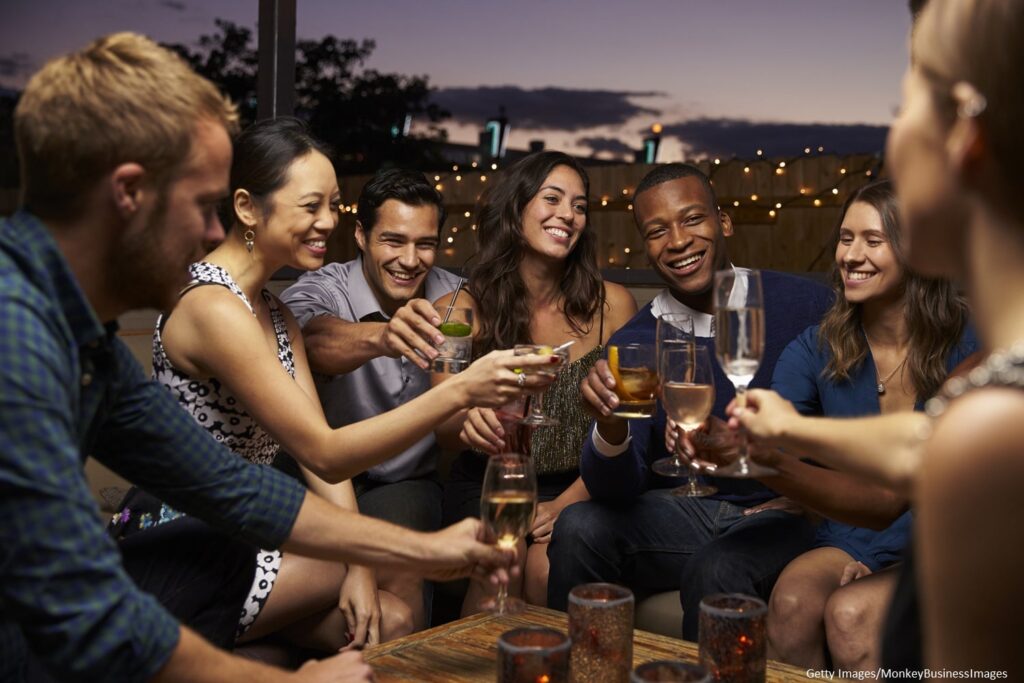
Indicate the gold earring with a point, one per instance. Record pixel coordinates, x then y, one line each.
250 238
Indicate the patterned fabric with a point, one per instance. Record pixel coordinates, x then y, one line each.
557 449
70 388
220 414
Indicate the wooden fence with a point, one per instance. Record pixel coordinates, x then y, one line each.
783 209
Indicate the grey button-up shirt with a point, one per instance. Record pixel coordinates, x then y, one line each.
341 290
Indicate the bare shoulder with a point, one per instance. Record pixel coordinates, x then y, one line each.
621 305
977 444
209 307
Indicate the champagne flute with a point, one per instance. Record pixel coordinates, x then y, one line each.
674 329
688 394
739 341
508 502
537 417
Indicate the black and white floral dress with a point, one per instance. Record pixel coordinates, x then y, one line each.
213 406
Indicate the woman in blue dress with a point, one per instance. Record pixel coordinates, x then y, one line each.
886 345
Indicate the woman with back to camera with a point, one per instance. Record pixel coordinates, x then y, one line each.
535 280
886 345
233 356
953 152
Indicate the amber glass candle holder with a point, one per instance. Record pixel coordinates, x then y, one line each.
732 637
670 671
601 628
533 655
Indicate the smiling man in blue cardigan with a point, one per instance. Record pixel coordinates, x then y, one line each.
634 531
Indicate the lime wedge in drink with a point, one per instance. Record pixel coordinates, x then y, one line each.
455 329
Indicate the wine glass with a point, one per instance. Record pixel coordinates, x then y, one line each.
508 502
739 341
688 394
537 417
674 329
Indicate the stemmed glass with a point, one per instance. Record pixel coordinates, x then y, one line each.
537 417
674 329
739 341
688 394
508 502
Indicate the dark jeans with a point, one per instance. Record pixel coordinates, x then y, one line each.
660 542
413 503
199 574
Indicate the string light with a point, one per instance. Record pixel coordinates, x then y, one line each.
736 203
451 240
626 250
625 191
782 164
455 167
780 171
772 213
604 202
717 161
760 152
807 150
746 169
473 164
458 179
455 228
817 202
778 205
842 171
629 207
804 190
835 190
483 179
753 197
466 214
494 167
436 178
439 187
820 150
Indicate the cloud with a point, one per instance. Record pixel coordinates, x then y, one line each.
544 108
15 64
742 138
613 146
173 4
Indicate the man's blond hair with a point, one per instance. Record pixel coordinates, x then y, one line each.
123 98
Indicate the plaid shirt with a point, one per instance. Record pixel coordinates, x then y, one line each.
70 388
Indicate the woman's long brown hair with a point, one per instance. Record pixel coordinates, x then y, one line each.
503 309
936 314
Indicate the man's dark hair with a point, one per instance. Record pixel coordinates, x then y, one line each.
669 172
407 187
916 6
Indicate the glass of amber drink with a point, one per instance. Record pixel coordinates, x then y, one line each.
635 369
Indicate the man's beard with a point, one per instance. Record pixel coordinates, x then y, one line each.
142 274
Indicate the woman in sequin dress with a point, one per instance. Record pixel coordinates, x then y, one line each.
535 280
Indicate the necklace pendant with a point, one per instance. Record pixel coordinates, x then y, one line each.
881 388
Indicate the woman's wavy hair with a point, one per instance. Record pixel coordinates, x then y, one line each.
936 314
494 281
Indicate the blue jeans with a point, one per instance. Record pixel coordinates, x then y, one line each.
660 542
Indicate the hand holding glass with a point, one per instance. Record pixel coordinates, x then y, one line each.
688 394
537 417
739 341
508 503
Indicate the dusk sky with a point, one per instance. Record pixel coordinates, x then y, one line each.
722 76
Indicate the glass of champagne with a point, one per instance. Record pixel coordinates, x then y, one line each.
674 329
537 417
635 369
739 341
688 394
508 502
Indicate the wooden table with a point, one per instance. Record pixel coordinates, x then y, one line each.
466 650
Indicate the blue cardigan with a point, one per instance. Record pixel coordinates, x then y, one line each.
791 304
799 378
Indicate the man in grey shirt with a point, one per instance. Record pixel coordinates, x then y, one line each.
370 329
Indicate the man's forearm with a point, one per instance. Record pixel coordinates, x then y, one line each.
884 448
335 346
328 532
196 661
836 495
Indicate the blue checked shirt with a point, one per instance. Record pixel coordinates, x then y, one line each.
70 388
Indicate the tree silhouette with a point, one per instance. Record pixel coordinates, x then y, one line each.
360 112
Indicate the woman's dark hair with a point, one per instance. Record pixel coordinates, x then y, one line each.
408 187
262 154
936 314
503 307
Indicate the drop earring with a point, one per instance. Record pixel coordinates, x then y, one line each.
250 239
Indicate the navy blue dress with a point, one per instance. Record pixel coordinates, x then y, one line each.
798 377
